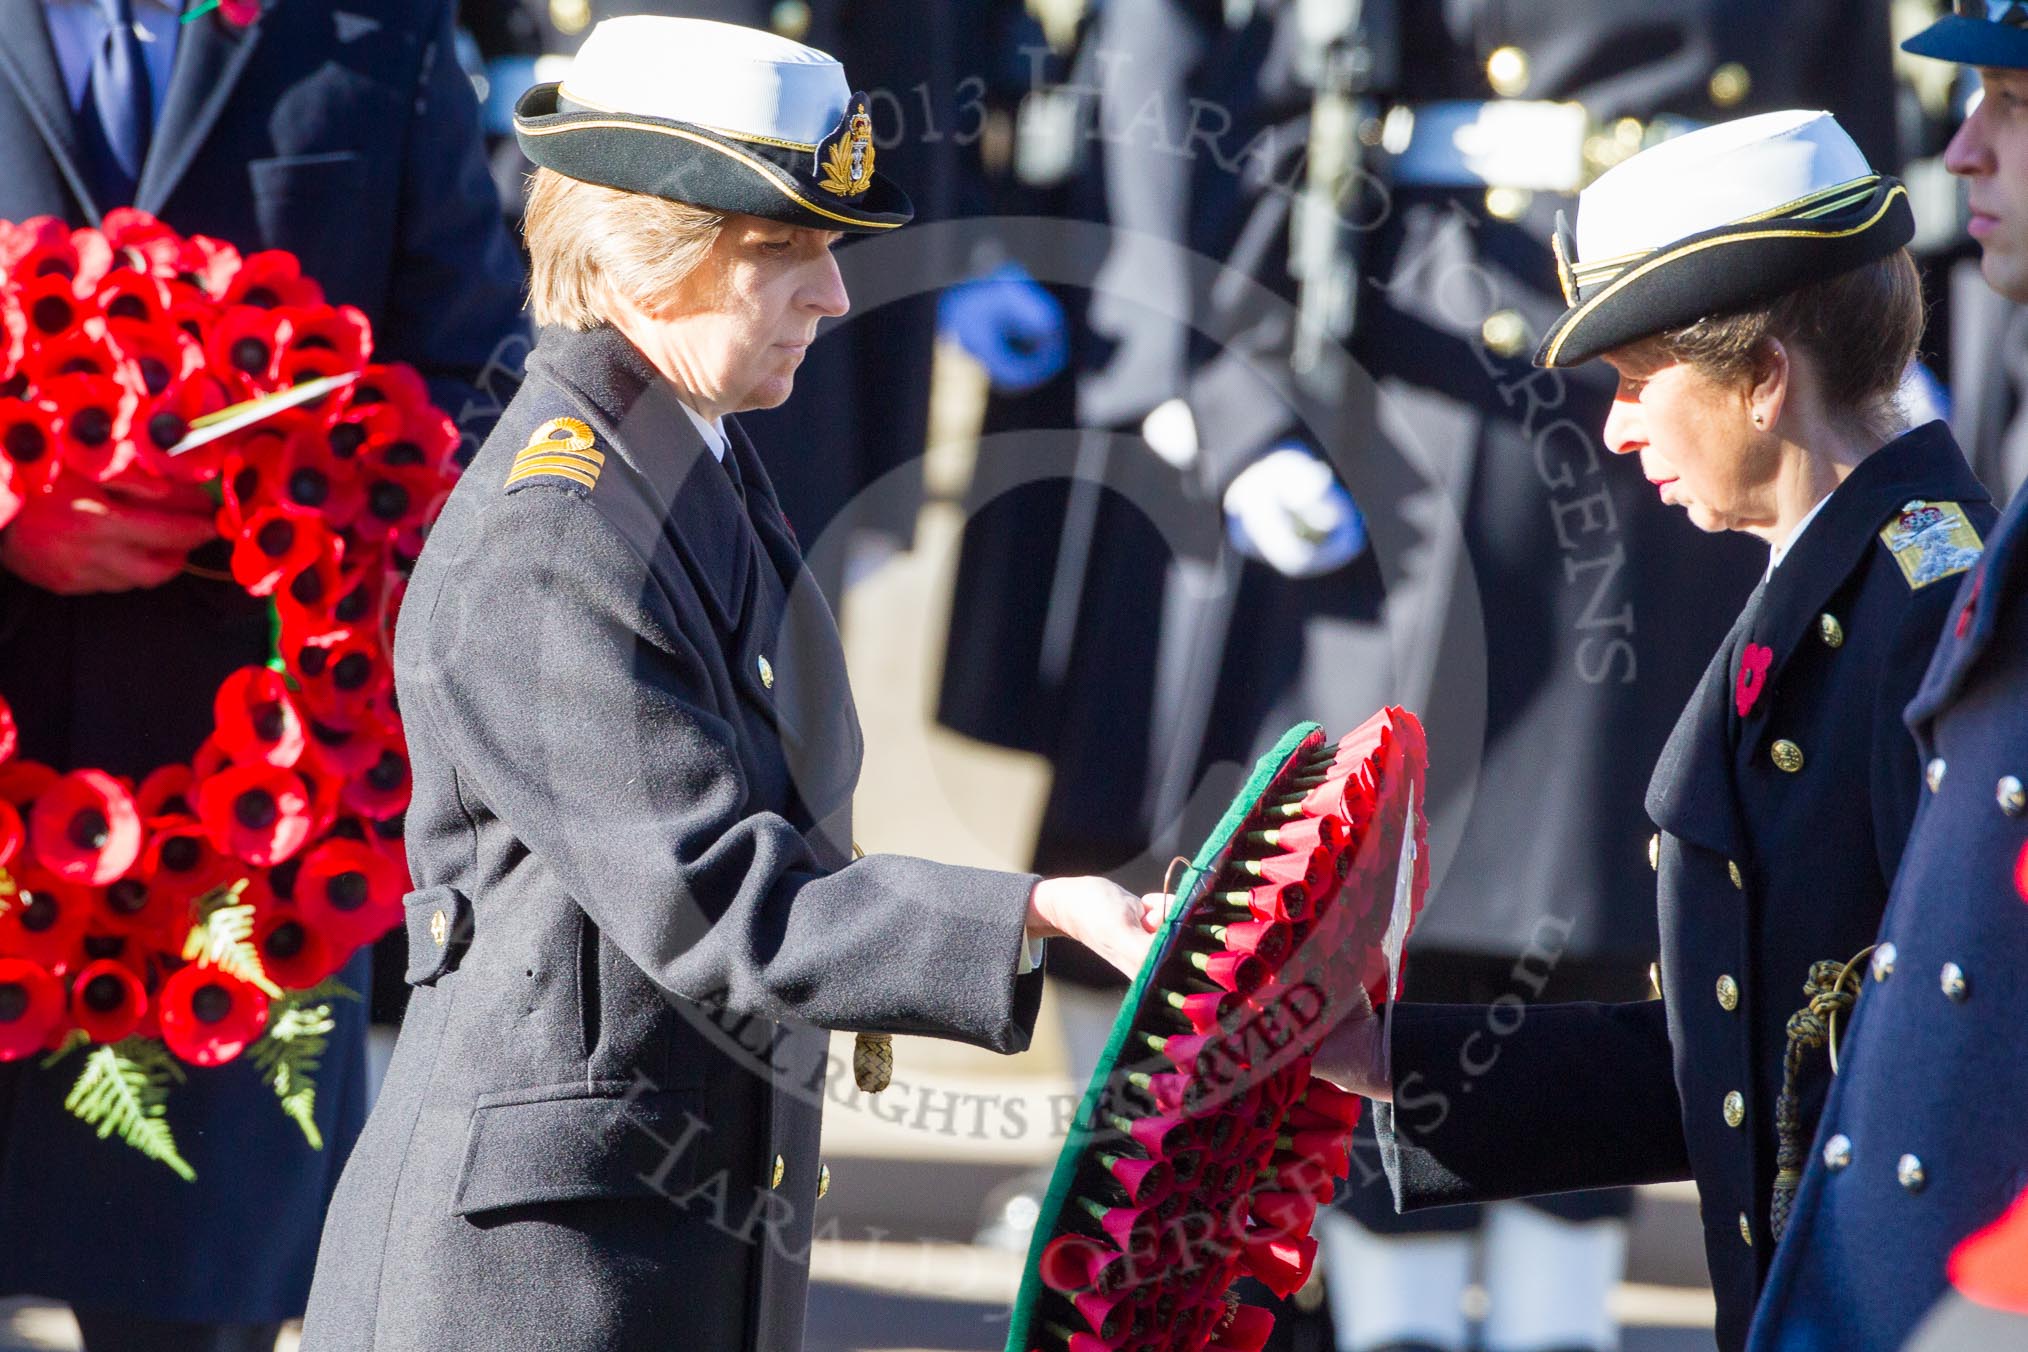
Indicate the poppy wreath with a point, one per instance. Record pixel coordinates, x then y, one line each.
198 914
1203 1146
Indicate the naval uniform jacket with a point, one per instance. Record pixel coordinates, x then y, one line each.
1781 828
634 751
1925 1137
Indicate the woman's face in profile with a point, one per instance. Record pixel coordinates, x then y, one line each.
1695 438
740 324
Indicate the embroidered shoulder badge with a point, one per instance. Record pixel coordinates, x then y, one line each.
562 448
1931 541
845 157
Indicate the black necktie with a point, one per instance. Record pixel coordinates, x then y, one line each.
118 106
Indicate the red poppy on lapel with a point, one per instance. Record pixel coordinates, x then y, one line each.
238 13
1991 1267
1753 666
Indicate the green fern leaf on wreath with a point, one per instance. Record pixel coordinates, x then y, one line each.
287 1056
124 1090
223 937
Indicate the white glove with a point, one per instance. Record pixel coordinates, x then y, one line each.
1289 511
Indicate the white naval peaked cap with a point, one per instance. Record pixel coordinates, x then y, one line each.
1716 221
1754 166
722 75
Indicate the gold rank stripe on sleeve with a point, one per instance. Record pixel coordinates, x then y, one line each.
1931 541
563 447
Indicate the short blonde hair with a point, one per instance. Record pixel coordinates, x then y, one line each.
589 245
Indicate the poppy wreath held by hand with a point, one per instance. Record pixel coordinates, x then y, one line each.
198 914
1203 1145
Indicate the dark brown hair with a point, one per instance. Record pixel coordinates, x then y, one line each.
1860 328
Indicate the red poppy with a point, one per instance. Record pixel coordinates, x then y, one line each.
134 297
43 248
272 279
86 350
238 13
12 833
85 828
315 478
347 752
22 781
348 892
275 542
395 384
257 720
208 760
1281 1263
13 334
138 906
165 793
211 265
107 1000
150 246
180 862
31 1008
255 812
342 678
336 337
384 788
209 1016
45 919
1753 666
1243 1328
305 598
1991 1266
399 491
96 432
293 954
361 428
166 419
244 348
154 354
251 469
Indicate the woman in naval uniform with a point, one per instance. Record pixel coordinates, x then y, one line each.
1749 284
634 750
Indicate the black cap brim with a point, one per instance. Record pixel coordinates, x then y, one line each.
1730 268
701 166
1974 42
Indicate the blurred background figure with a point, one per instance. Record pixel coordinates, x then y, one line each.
1308 470
349 138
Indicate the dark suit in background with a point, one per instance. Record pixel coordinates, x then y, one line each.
347 135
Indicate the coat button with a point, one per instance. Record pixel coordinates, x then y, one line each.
1746 1229
1735 1108
440 927
767 671
823 1180
1788 757
1883 962
1837 1152
1729 85
1955 983
1933 773
781 1172
1655 852
2010 795
1728 994
1830 630
1732 872
1507 72
1505 333
1908 1171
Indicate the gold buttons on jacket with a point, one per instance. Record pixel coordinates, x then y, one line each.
1728 994
1837 1152
1787 756
781 1172
1883 961
440 927
1746 1229
1956 985
1507 71
767 671
1505 333
823 1180
1655 852
2010 795
1908 1171
1735 1108
1829 630
1732 872
1730 84
1933 773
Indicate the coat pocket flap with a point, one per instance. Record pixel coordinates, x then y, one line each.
570 1143
439 928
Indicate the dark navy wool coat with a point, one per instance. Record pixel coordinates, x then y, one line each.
634 751
1925 1137
1780 831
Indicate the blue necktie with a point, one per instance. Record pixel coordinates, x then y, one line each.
120 106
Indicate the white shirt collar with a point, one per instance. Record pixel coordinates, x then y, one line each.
1781 551
713 431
